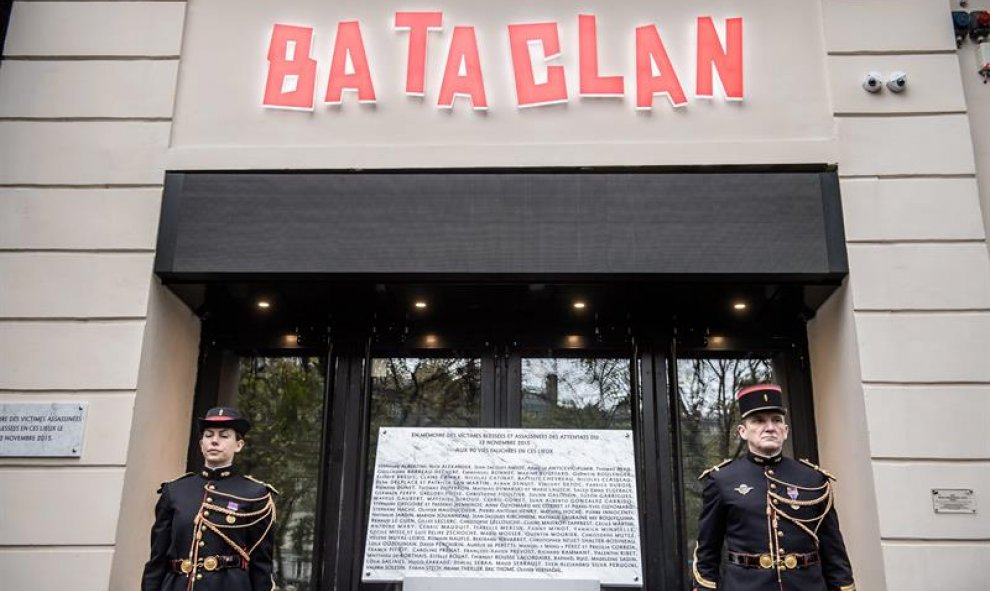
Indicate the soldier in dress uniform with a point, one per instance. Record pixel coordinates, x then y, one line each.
774 514
213 529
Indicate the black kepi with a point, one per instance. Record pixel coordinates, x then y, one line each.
760 398
225 417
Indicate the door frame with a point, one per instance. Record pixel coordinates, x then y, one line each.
345 486
653 350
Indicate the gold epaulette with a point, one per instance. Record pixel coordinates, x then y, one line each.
160 488
713 469
263 483
818 468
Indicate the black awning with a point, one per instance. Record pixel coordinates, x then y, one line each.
694 226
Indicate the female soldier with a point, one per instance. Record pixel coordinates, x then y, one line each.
213 529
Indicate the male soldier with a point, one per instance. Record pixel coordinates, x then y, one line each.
213 528
775 514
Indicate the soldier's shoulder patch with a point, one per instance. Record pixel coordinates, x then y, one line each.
162 487
818 468
714 468
263 483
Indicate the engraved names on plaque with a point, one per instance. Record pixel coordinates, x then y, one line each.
516 503
42 429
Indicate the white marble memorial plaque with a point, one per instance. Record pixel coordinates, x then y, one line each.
36 429
505 503
954 500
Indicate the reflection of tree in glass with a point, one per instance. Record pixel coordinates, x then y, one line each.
709 415
429 392
426 392
420 392
576 393
284 399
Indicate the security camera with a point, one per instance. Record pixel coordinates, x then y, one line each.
897 82
873 82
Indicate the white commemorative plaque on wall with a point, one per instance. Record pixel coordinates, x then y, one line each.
504 503
954 500
46 430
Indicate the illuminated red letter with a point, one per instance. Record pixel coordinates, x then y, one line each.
654 72
418 24
291 70
349 69
529 93
462 76
591 83
728 61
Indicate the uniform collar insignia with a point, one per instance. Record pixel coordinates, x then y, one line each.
763 460
743 489
217 473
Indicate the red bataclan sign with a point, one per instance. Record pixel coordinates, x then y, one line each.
291 80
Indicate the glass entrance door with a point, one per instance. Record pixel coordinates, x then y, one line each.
501 385
510 356
681 413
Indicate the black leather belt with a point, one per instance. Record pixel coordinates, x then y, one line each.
207 563
787 561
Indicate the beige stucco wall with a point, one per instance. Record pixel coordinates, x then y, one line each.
978 101
978 108
82 318
86 93
843 434
900 364
160 427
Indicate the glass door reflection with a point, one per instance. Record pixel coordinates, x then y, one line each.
423 392
576 393
284 397
708 414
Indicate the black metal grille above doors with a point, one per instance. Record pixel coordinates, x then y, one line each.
696 225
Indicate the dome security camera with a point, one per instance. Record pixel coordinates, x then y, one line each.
873 82
897 82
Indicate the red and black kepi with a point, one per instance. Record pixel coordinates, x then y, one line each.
225 417
760 398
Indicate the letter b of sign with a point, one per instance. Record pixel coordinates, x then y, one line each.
291 71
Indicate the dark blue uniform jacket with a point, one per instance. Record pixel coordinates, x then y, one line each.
772 510
218 514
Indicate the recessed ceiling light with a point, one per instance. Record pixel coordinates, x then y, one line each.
420 304
579 305
739 305
264 304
